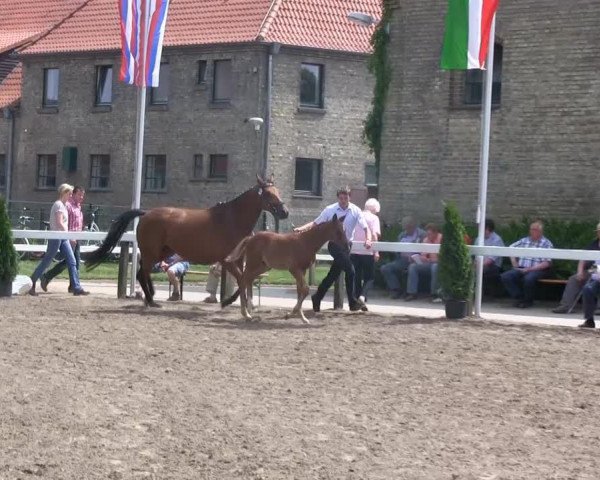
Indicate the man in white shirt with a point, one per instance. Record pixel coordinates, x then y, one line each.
352 216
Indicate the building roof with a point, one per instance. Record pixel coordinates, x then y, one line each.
24 20
320 24
10 88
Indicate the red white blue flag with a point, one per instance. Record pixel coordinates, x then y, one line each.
142 30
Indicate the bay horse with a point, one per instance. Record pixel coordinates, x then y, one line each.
294 252
203 236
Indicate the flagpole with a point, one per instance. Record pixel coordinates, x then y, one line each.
486 117
137 177
139 143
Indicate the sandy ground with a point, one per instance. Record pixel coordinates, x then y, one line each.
96 388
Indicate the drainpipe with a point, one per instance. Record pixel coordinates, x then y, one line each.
273 50
9 115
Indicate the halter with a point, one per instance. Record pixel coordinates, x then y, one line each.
259 189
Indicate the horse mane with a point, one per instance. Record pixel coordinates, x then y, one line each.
225 203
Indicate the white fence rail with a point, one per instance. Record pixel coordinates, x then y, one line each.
396 247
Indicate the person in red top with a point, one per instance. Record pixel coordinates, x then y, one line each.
423 263
75 224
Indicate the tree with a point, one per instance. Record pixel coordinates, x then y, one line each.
8 256
455 265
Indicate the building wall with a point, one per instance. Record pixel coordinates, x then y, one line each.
192 125
189 125
545 140
333 134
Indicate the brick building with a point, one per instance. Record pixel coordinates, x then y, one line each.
75 121
545 140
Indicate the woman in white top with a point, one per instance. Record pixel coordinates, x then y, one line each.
59 222
364 262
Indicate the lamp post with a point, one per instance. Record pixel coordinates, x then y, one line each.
366 20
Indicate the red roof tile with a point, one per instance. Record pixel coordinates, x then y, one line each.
10 88
22 20
310 23
322 24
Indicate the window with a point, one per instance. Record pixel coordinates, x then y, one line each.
155 173
100 172
474 81
222 83
46 171
311 85
201 71
160 95
2 171
104 84
218 167
198 161
308 177
51 78
370 175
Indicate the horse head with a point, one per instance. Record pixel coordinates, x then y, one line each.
337 234
270 198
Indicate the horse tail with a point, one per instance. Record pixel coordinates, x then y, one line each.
115 232
230 300
239 251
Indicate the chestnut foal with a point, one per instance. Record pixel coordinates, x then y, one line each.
283 251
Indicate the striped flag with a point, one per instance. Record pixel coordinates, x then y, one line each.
467 36
142 31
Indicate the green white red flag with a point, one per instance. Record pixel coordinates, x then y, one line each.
468 24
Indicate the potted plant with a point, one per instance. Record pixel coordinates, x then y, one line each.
455 265
8 254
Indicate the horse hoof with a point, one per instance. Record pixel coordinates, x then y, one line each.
153 305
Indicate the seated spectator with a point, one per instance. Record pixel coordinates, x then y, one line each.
175 267
424 263
521 280
364 262
491 265
212 283
590 293
577 281
392 271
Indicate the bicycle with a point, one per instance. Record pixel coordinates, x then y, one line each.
23 224
91 225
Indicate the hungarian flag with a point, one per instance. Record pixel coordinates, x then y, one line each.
468 24
142 30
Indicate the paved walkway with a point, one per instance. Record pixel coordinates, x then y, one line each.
285 297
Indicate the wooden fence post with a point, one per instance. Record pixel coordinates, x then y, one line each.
223 289
123 270
338 293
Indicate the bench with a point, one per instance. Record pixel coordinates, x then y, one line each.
199 273
563 283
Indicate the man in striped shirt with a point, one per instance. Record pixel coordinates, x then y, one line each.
521 280
75 224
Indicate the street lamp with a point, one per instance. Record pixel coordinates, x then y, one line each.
362 18
366 20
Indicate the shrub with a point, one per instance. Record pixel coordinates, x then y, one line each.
455 268
8 255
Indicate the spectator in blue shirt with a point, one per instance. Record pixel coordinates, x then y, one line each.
491 265
174 266
521 280
393 270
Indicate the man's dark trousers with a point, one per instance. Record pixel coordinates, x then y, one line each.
341 262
